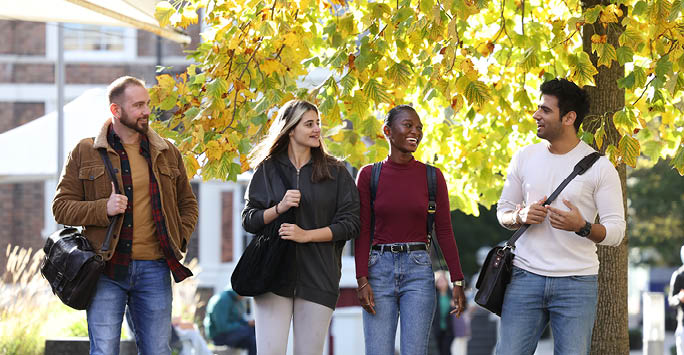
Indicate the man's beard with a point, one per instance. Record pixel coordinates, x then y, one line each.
133 124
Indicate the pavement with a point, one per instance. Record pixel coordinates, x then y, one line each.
545 346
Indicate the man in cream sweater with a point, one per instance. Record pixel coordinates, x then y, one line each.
555 273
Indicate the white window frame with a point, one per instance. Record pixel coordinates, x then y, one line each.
130 43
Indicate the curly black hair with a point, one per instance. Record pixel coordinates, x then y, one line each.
570 98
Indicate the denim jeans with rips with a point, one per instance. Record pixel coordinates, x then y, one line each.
532 301
147 292
403 288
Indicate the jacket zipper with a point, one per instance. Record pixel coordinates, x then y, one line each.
296 269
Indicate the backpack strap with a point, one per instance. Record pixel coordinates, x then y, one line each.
432 197
431 210
375 177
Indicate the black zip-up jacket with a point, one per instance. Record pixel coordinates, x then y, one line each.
330 203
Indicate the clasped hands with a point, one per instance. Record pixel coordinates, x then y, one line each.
290 231
535 213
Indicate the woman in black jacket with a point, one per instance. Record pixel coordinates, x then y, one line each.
325 205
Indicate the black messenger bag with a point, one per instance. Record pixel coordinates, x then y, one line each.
71 265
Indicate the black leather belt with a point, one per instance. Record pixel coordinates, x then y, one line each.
399 248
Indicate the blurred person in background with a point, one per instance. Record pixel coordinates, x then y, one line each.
676 299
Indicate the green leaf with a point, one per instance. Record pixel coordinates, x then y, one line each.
192 112
629 149
627 82
653 149
234 171
639 76
375 91
664 66
199 78
591 15
523 99
169 102
625 121
346 25
426 6
217 88
244 146
529 60
606 53
625 55
266 29
400 74
678 160
630 37
677 7
581 70
348 82
476 92
639 8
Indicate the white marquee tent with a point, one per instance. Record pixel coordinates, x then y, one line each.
28 152
129 13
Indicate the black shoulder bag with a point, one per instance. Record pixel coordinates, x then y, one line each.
71 265
431 208
497 267
265 262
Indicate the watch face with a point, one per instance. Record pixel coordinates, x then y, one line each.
585 230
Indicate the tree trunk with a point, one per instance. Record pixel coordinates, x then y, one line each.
610 329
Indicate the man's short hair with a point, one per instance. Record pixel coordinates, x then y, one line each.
116 89
570 98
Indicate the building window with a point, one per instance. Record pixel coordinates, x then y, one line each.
83 43
81 37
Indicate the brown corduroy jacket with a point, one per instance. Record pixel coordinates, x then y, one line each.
85 187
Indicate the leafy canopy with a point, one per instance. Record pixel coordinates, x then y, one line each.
472 69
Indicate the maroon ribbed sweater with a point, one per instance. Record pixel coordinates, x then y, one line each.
401 212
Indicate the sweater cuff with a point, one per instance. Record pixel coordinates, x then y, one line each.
338 232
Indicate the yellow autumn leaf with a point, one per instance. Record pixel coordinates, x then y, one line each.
163 12
188 17
270 66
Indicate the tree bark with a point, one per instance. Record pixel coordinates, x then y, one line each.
610 328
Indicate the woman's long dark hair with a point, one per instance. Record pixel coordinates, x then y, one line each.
278 139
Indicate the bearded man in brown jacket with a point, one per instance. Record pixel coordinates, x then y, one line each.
159 214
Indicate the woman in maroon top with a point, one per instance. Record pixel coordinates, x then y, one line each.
395 275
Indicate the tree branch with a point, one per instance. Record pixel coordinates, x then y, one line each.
645 89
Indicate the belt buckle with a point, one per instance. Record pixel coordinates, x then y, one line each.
396 248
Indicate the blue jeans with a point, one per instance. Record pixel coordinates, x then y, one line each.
147 291
532 301
403 284
243 337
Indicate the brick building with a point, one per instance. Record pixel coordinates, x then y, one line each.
94 57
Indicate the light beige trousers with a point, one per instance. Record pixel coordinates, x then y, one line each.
273 315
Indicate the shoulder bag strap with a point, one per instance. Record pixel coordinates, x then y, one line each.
580 168
375 177
112 176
